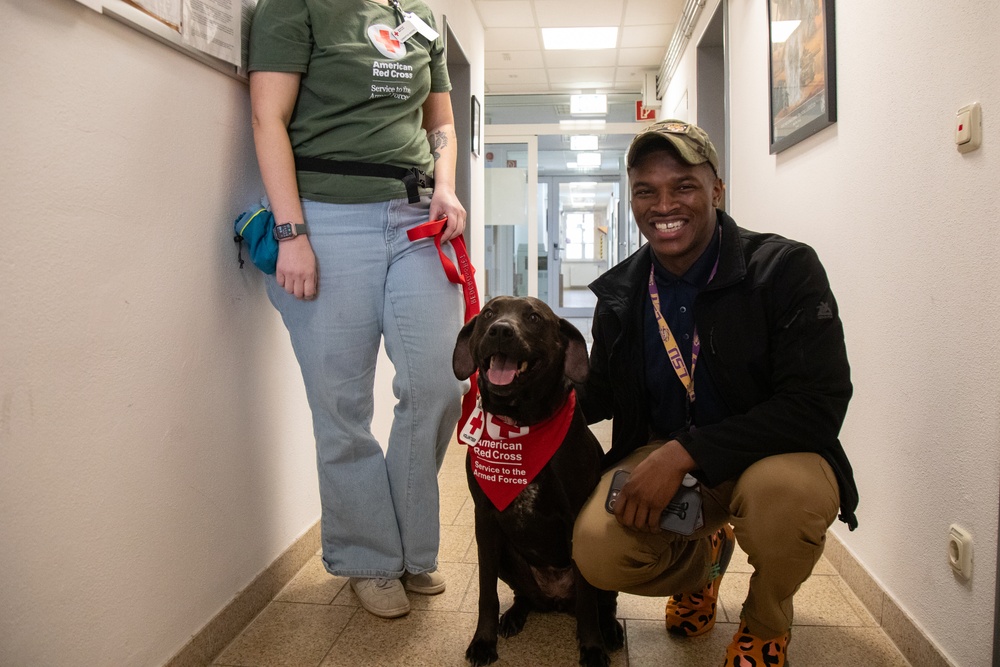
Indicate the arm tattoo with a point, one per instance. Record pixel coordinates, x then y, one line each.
438 140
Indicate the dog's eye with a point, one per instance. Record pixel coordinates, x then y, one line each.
533 317
487 314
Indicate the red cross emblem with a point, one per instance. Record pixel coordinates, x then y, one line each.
382 38
501 430
387 40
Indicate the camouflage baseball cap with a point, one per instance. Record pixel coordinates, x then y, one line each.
691 142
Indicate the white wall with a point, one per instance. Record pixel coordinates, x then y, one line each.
156 450
905 226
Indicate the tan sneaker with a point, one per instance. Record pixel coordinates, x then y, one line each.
381 597
425 583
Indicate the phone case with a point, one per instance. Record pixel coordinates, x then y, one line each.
617 482
682 516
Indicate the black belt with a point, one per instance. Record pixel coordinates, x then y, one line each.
412 178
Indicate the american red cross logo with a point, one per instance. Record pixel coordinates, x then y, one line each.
382 39
501 430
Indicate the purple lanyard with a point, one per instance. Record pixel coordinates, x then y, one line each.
670 343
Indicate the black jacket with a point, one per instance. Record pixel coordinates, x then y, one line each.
771 340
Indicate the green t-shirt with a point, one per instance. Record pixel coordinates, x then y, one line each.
362 92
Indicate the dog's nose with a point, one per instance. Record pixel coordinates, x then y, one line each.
501 330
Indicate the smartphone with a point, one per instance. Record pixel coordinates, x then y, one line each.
682 516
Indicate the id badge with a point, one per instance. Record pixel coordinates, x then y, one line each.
473 429
412 25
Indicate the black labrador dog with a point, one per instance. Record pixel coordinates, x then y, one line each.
528 360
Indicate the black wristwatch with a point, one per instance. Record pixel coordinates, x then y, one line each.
287 230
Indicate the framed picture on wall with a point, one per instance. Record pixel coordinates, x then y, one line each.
803 73
477 135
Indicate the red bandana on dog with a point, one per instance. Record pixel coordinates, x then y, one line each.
507 457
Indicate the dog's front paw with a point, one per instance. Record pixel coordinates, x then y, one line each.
481 652
594 656
512 621
612 633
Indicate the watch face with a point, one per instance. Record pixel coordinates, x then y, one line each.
282 232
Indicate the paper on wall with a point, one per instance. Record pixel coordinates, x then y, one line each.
213 27
167 11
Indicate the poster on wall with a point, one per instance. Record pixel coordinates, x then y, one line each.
199 28
213 27
802 70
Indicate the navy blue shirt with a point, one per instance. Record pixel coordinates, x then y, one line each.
668 403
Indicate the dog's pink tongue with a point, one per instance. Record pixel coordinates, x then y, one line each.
502 370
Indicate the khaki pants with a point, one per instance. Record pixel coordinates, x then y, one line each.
780 508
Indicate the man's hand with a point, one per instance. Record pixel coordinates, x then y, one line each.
651 486
296 271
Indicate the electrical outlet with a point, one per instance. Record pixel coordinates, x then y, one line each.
960 550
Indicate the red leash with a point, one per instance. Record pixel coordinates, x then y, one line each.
464 276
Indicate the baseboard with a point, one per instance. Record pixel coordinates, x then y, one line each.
900 627
219 632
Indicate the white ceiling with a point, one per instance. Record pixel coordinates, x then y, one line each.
516 63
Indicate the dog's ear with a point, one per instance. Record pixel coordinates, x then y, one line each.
461 358
577 366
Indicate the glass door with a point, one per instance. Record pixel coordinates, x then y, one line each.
511 235
583 226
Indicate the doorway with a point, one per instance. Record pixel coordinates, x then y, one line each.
712 82
580 239
460 73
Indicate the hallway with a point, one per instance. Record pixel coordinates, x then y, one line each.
316 621
157 456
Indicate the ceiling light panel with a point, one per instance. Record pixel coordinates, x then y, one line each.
583 142
588 104
579 38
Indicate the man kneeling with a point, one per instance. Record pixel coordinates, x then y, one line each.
719 354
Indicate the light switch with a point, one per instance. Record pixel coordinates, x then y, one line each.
962 132
969 127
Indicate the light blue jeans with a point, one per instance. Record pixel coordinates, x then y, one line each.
380 512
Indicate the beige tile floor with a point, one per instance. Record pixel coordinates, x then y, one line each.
316 621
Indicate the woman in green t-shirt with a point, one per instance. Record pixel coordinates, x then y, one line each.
351 119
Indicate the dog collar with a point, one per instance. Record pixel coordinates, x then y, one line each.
505 458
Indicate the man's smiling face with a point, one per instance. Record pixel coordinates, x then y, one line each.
674 206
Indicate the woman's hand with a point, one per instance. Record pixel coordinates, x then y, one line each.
444 202
296 271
